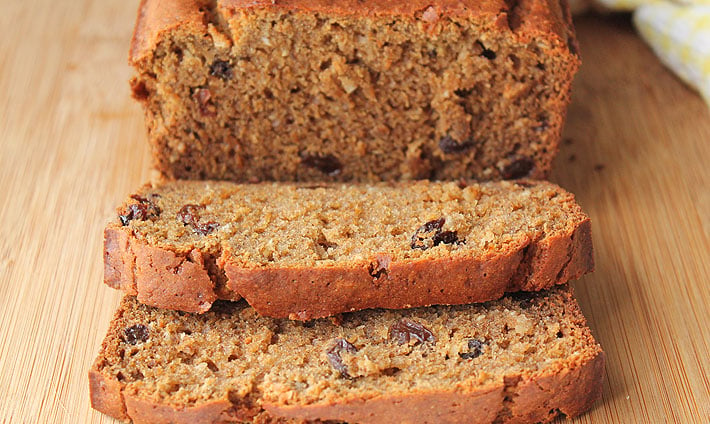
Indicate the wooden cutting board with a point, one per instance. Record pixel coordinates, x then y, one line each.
72 145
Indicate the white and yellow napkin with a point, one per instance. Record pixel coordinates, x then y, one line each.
679 33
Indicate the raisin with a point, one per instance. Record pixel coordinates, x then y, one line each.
189 215
448 145
430 235
487 53
463 92
205 228
138 211
406 330
518 168
203 98
143 210
426 232
334 358
475 349
376 271
446 237
137 333
327 164
222 69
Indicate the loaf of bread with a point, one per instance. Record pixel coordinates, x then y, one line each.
525 358
352 90
309 251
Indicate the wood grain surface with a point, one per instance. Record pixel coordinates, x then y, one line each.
73 145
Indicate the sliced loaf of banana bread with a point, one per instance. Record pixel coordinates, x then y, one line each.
310 251
352 90
525 358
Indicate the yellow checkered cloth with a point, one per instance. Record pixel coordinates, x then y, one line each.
678 31
680 36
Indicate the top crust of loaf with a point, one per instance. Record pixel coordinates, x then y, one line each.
525 19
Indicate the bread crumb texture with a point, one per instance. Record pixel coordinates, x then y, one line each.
354 90
319 225
528 355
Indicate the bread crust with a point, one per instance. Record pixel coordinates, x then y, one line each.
519 399
155 20
106 395
571 392
162 278
148 412
191 280
526 18
157 276
303 293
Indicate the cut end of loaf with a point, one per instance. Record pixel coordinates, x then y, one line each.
481 91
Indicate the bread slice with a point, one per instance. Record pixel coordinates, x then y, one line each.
348 90
310 251
525 358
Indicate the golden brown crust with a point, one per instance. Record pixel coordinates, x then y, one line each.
490 9
580 253
570 391
304 293
526 18
155 19
118 261
106 395
158 277
144 411
191 281
415 408
162 278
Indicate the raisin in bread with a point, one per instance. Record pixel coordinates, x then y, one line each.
303 90
309 251
525 358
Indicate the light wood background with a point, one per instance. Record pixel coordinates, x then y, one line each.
72 146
